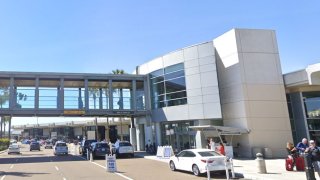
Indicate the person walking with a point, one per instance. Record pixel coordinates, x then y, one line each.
314 152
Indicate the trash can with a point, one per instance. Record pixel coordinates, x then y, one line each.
267 153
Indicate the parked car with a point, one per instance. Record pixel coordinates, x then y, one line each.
48 144
85 144
124 148
99 149
26 141
14 148
195 160
60 148
34 145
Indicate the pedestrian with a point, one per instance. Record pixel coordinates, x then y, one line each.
220 149
302 146
314 151
292 151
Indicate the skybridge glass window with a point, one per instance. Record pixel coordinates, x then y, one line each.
98 95
168 86
4 93
48 97
25 97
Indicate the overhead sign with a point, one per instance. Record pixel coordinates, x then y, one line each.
74 112
123 112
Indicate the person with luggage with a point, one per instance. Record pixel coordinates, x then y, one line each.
302 146
314 152
292 151
221 149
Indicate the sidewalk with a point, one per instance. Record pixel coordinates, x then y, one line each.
248 168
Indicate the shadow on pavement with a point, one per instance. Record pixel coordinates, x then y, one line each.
39 159
20 174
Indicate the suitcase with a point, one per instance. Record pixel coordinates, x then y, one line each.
289 164
299 163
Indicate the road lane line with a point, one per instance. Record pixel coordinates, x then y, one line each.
119 174
56 168
3 177
11 166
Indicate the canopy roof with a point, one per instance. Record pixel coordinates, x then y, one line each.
223 130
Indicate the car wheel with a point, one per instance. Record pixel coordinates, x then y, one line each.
195 170
172 166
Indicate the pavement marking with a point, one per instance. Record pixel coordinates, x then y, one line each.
119 174
3 177
56 168
64 178
11 166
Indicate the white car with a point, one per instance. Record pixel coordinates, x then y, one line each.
60 148
124 148
195 160
14 148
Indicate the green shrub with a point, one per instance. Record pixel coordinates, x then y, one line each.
4 143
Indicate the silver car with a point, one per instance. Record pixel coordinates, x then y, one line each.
14 148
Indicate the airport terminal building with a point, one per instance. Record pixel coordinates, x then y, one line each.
230 89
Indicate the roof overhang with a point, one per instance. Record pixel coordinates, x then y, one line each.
223 130
313 72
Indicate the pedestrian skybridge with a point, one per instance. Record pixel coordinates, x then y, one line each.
72 94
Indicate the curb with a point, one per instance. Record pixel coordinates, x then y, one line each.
3 151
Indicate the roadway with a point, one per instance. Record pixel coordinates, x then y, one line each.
44 165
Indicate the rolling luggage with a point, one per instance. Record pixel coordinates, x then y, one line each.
299 163
289 164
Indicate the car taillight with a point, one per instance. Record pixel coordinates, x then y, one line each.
205 161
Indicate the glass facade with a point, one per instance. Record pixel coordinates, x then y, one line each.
293 127
312 109
178 135
168 86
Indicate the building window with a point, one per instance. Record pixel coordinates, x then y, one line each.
168 86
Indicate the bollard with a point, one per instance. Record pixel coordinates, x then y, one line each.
232 169
91 157
261 164
88 155
308 166
226 167
208 170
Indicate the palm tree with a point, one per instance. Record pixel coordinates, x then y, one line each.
4 98
120 91
94 92
120 102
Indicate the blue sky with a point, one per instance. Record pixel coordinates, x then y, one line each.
99 36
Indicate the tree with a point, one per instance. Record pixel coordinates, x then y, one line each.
94 92
4 98
120 91
120 102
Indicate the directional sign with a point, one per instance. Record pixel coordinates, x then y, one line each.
74 112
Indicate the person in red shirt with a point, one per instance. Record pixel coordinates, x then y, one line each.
221 150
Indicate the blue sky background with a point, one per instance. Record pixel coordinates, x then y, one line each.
99 36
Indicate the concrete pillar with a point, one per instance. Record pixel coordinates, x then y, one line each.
158 134
133 138
200 140
138 138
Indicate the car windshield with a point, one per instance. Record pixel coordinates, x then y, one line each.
88 142
102 145
124 144
14 146
208 153
61 144
34 143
